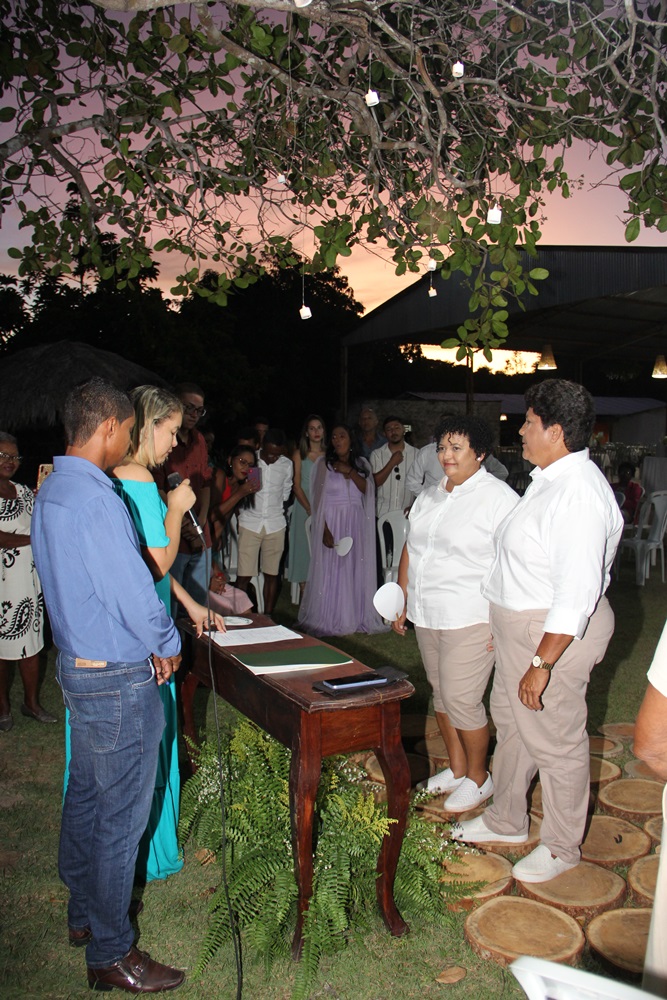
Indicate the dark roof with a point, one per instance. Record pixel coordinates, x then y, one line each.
597 302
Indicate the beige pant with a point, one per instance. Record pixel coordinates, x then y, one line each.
553 741
655 964
458 664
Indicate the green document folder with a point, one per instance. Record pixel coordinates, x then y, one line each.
276 660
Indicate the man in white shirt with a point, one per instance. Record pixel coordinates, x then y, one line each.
551 624
262 526
391 465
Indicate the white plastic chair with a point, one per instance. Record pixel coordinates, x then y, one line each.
542 980
646 548
398 524
232 564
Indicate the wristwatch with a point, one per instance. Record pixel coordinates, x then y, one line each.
541 664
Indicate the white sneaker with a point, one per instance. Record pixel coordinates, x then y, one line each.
475 831
540 866
469 795
443 781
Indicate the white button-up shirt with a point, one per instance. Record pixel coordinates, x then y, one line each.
555 550
394 494
450 548
269 510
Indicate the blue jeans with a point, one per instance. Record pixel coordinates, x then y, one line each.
193 572
116 722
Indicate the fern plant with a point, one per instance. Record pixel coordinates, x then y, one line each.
349 827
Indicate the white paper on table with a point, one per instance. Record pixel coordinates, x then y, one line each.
253 636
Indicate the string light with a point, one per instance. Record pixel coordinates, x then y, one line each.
458 69
432 265
372 98
302 3
304 312
281 179
495 215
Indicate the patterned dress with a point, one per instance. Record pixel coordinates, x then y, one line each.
21 601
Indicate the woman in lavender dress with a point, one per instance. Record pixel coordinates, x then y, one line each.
338 598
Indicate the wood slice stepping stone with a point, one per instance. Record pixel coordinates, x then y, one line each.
611 841
634 799
604 746
495 872
619 937
434 752
433 810
420 768
642 878
653 827
581 892
417 726
603 771
504 928
517 850
618 730
640 769
431 743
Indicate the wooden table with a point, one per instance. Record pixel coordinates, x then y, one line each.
313 726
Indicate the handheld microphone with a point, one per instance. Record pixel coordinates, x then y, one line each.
175 479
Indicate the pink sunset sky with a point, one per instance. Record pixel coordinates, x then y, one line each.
592 216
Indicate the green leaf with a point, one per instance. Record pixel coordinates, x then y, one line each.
632 230
7 114
14 253
178 43
538 273
112 168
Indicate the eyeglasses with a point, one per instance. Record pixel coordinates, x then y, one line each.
10 458
199 411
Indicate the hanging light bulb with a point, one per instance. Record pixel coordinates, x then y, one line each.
660 367
304 312
432 292
495 215
547 361
302 3
458 69
372 99
432 264
281 179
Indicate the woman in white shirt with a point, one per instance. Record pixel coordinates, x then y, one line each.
554 553
448 552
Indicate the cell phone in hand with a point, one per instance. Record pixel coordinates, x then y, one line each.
351 681
255 476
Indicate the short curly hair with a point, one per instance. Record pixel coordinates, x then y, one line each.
477 431
556 401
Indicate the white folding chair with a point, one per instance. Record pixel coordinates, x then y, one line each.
646 547
398 524
542 980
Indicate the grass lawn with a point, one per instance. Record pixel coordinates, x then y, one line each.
37 962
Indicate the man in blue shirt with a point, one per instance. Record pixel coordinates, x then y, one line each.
116 643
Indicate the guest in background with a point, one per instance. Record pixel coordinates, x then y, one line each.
312 445
391 464
189 458
632 491
248 435
448 552
262 526
551 624
368 438
21 602
651 746
261 427
338 598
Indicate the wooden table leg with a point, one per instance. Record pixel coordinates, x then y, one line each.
396 770
304 779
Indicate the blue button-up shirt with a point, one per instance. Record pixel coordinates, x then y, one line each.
98 590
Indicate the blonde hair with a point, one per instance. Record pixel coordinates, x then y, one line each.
152 405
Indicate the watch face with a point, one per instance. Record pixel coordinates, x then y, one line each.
536 661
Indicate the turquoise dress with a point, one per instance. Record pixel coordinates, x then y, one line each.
159 852
299 551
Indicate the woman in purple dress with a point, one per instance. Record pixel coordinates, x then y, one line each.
338 598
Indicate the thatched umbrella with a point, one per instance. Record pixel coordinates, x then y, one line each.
35 381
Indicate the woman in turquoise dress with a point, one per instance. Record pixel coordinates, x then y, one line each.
312 445
158 418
